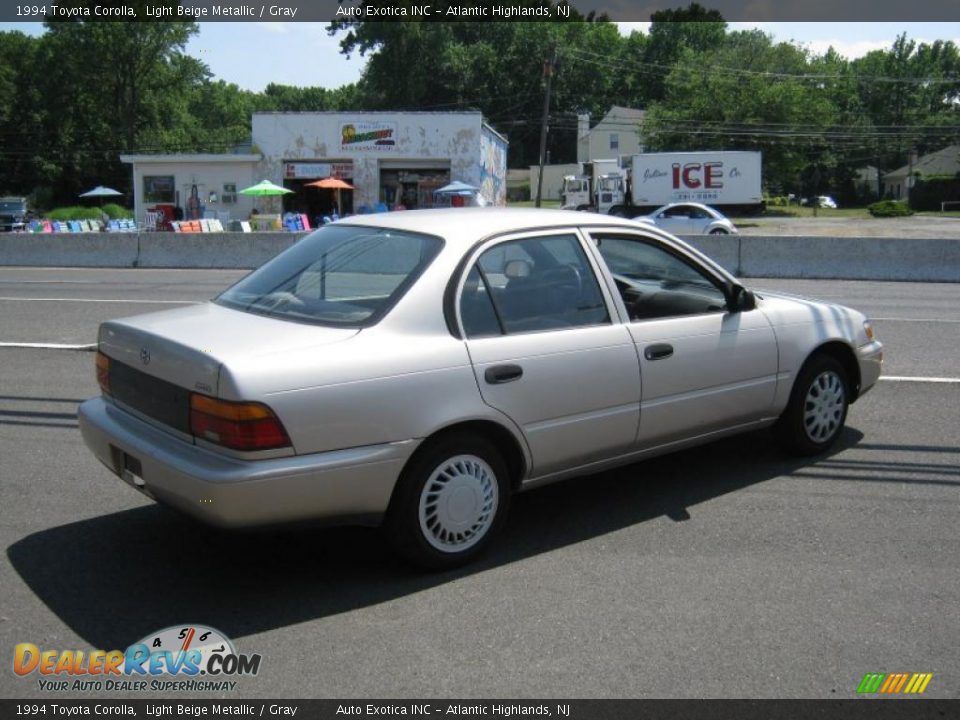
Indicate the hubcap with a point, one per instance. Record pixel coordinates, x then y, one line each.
823 407
458 503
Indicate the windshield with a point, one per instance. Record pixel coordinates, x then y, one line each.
340 275
13 207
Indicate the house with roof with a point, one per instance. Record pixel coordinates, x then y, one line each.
618 133
940 164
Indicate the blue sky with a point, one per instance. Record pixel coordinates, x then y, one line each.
255 54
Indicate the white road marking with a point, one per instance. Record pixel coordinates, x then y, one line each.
98 300
921 320
49 346
901 378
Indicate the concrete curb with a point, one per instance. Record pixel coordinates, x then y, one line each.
836 258
211 250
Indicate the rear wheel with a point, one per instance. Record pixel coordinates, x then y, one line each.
817 409
719 231
451 500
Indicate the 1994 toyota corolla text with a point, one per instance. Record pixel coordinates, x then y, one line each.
413 370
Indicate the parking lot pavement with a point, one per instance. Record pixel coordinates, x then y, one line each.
828 224
729 570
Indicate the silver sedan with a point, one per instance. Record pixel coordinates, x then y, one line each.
690 219
413 370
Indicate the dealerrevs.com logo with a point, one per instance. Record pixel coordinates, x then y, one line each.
895 683
180 658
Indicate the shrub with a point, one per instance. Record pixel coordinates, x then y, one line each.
117 212
77 212
889 208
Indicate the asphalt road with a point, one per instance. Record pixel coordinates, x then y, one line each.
725 571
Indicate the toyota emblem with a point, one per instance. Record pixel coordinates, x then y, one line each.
144 356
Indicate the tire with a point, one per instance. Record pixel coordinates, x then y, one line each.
718 231
817 408
450 502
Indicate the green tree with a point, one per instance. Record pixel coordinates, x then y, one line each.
494 67
749 94
674 34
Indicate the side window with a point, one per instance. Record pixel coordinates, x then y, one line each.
533 284
476 308
655 283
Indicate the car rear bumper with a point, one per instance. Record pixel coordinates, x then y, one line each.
352 485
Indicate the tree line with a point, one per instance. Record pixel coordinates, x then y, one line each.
83 93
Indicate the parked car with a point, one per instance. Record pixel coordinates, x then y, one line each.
823 201
415 369
13 213
690 219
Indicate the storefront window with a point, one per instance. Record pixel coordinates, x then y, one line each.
229 195
158 189
413 188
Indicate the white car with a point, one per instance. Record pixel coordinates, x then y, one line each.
415 369
690 219
823 201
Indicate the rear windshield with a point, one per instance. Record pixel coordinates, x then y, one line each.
339 275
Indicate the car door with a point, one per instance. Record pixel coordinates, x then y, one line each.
545 351
674 219
704 366
699 219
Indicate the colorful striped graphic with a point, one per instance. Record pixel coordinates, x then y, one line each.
895 683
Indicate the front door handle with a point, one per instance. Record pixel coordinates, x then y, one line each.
499 374
658 351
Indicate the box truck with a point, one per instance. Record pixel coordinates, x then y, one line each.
729 180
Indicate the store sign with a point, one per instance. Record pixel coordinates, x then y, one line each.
313 170
377 136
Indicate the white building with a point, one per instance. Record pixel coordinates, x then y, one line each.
618 133
392 159
208 183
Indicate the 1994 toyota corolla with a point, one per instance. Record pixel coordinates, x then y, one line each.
415 369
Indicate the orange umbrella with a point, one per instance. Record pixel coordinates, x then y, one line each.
332 183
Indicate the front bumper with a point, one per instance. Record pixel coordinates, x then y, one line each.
352 485
870 359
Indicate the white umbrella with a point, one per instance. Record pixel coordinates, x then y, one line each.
100 191
457 188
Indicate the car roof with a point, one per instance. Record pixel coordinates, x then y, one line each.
475 223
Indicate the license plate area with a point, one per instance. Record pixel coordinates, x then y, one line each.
131 471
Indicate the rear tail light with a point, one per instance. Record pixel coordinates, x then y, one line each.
103 373
236 425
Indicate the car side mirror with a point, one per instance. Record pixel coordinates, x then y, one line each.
741 299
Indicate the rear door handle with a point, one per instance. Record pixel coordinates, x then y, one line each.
499 374
658 351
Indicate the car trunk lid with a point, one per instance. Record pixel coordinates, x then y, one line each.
159 358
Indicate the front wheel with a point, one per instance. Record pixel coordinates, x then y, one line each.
719 231
451 500
817 409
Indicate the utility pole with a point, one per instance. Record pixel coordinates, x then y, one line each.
548 68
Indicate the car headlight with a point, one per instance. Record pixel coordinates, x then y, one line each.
868 329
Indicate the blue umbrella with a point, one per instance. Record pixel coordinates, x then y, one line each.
457 188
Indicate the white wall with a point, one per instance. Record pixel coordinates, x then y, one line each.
625 123
447 138
552 179
210 174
